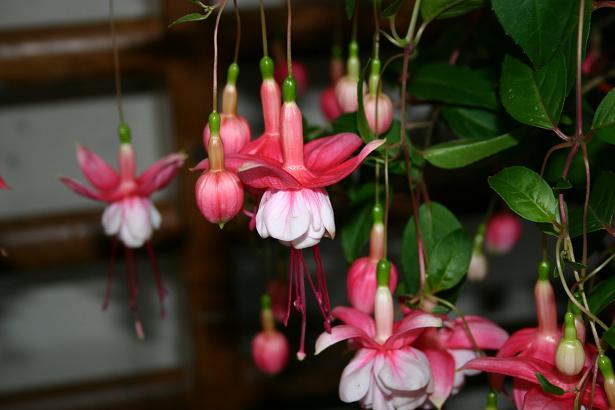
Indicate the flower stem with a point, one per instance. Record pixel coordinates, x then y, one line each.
289 60
579 103
415 15
237 31
116 63
215 73
264 29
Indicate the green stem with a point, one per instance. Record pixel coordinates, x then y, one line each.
415 15
264 29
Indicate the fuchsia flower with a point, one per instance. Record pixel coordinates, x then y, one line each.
451 347
269 347
503 232
386 372
377 106
234 129
130 215
346 87
361 281
532 350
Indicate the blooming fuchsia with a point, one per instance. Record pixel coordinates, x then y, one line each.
386 372
130 215
295 208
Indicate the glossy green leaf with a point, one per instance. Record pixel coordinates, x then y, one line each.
345 123
609 337
602 295
547 386
441 9
355 233
526 193
459 153
604 119
190 17
538 26
601 207
453 84
391 9
435 221
449 261
534 97
466 122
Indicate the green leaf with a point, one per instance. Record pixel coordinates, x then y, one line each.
449 261
562 184
547 386
190 17
459 153
345 123
467 122
534 97
526 193
441 9
604 119
609 336
355 232
453 84
349 6
601 207
602 295
538 26
391 9
436 222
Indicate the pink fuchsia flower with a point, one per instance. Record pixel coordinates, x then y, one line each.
234 129
328 104
449 348
295 208
503 233
361 280
346 87
386 372
219 193
269 347
130 215
377 106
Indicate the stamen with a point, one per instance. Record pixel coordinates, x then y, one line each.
132 280
110 273
162 292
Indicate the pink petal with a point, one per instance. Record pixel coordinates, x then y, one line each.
357 376
536 399
443 373
339 333
356 318
518 342
410 327
327 152
406 370
80 189
160 173
267 174
98 172
487 334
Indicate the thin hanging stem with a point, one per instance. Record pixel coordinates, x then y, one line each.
579 105
116 63
289 59
215 74
376 31
238 31
355 23
264 29
387 202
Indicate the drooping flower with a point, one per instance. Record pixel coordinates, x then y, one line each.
361 280
452 346
606 369
378 106
503 233
130 215
570 353
295 208
346 87
269 346
234 129
387 372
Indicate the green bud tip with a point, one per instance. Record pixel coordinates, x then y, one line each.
378 214
383 271
543 270
267 66
265 302
214 123
289 89
123 131
570 330
492 399
232 73
605 366
353 49
375 67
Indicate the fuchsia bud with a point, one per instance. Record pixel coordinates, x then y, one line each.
546 309
361 281
234 129
503 232
383 303
269 347
606 369
570 354
300 74
346 87
219 193
377 106
477 271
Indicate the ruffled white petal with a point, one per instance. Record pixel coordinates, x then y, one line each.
356 378
132 219
112 218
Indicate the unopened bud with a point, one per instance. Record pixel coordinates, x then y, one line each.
606 368
383 304
477 270
492 401
570 354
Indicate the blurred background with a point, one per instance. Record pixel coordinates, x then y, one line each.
58 350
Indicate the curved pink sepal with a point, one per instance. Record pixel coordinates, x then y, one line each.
487 334
355 317
342 332
81 189
160 173
327 152
96 170
443 373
